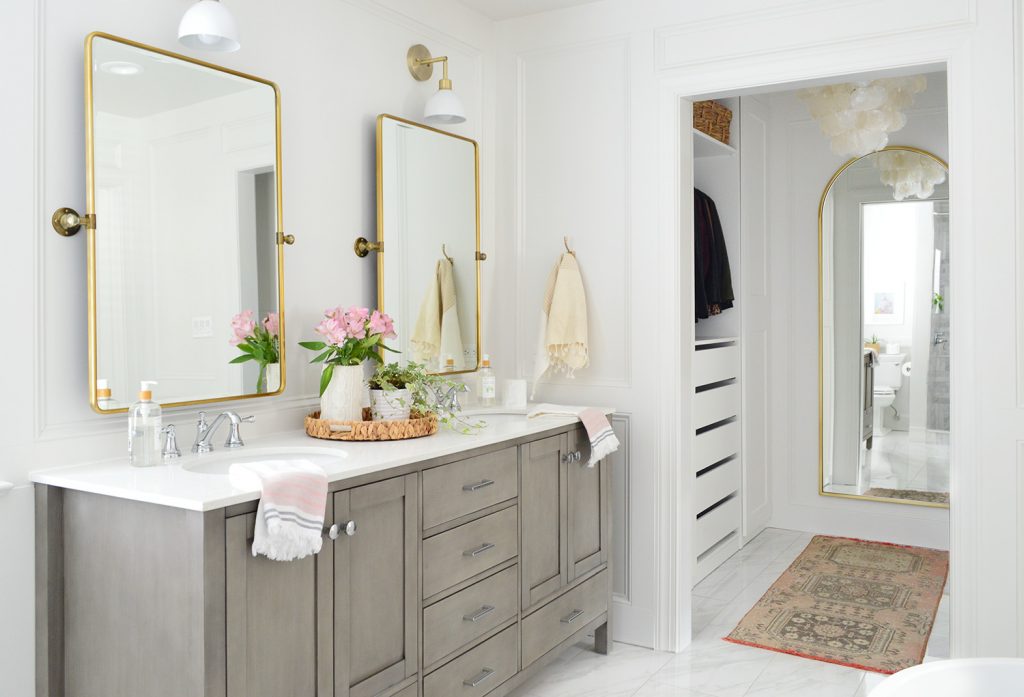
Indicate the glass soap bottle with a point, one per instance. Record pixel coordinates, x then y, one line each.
145 421
487 383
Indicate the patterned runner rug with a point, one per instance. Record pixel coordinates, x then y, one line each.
866 605
909 495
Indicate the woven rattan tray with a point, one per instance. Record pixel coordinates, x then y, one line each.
418 426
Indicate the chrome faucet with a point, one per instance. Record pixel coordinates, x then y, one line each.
449 401
205 431
939 338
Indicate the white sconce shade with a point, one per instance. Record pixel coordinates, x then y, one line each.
209 26
444 107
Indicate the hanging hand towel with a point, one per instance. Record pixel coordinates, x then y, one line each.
603 441
290 515
451 331
562 338
437 333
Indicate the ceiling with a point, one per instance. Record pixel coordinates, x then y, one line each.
510 9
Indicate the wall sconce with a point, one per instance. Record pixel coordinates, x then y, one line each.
209 26
444 107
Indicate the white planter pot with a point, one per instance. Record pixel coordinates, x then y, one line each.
273 378
390 405
343 398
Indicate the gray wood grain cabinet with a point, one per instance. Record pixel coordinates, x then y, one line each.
462 576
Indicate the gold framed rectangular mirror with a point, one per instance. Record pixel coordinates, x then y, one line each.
428 226
185 258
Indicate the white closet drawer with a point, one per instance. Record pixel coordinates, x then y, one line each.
715 485
715 525
715 364
715 445
716 404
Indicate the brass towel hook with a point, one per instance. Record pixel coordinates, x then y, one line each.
444 251
67 222
565 241
363 247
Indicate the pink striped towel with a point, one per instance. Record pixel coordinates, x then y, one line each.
603 441
290 516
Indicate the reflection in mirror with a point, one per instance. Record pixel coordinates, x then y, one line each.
429 223
186 261
884 351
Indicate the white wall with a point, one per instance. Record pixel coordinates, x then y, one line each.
800 164
338 63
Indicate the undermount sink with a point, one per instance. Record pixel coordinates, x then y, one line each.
219 462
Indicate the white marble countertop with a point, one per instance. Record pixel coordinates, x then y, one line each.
178 484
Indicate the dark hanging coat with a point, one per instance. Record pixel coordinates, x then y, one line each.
712 275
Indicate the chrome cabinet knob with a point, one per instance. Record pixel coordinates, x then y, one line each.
566 458
348 528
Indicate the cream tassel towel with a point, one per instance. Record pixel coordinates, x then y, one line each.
562 339
437 333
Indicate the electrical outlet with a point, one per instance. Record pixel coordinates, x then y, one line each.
202 327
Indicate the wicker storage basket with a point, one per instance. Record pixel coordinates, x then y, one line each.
712 119
417 426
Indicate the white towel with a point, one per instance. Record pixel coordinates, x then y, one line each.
562 342
603 441
290 515
437 333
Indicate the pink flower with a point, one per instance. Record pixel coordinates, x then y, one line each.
271 323
381 323
332 330
243 327
355 322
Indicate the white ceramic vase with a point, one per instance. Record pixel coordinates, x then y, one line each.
273 378
343 398
390 405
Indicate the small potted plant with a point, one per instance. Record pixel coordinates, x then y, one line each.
391 390
873 343
351 337
411 387
260 343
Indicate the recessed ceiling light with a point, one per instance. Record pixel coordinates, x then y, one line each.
121 68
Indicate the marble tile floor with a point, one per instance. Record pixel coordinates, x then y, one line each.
710 667
897 462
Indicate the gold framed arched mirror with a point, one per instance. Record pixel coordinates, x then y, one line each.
883 329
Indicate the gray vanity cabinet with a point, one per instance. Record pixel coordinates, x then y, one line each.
273 617
376 587
565 530
544 530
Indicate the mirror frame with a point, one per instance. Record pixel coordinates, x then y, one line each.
821 339
90 181
380 224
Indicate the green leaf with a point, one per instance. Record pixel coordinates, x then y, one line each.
325 378
313 345
322 357
244 347
388 348
242 359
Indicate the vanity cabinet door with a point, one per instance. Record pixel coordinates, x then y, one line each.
376 587
274 620
587 496
543 515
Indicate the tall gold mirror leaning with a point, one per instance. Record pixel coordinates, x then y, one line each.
186 262
884 342
428 226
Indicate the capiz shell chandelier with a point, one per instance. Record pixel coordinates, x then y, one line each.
858 117
909 173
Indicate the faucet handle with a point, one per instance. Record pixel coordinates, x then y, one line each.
248 419
170 450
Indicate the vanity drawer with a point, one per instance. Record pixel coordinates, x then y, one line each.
479 671
556 621
463 487
469 614
469 549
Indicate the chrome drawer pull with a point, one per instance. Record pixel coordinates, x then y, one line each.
478 678
478 485
479 550
479 614
349 528
573 616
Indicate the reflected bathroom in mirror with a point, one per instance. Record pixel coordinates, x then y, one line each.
186 259
429 225
884 344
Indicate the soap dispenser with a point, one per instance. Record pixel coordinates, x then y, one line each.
144 426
